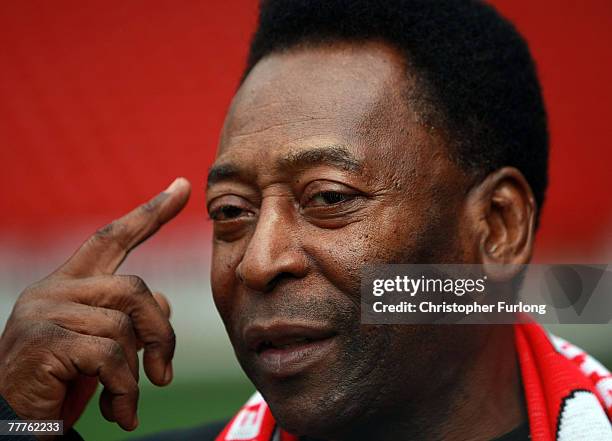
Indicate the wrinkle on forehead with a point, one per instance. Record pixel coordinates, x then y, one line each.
322 88
244 133
347 94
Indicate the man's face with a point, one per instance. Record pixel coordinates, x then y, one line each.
324 167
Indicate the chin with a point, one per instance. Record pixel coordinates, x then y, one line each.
310 411
305 420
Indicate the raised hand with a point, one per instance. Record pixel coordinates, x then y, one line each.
83 324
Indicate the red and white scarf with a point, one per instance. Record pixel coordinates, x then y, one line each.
568 394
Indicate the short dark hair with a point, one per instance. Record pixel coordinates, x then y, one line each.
470 64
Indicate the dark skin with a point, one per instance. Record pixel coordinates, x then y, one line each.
84 324
322 167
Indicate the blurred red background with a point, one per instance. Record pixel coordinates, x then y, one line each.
103 103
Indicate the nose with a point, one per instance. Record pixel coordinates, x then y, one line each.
274 252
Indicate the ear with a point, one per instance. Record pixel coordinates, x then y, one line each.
502 210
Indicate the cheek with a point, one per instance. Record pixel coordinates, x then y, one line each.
393 234
388 236
339 255
223 279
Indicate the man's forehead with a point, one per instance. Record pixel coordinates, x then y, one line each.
330 91
344 106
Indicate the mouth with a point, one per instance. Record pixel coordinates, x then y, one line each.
282 350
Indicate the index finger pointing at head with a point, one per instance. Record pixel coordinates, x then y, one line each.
103 252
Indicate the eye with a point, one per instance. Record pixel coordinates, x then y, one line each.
227 208
226 212
329 198
331 204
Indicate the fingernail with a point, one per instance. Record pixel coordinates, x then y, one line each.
168 373
175 185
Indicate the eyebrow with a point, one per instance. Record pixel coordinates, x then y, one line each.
221 172
333 155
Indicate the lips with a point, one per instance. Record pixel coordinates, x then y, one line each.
285 349
282 343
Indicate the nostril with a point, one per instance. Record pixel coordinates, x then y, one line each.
264 275
277 280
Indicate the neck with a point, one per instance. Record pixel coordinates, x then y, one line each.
482 400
